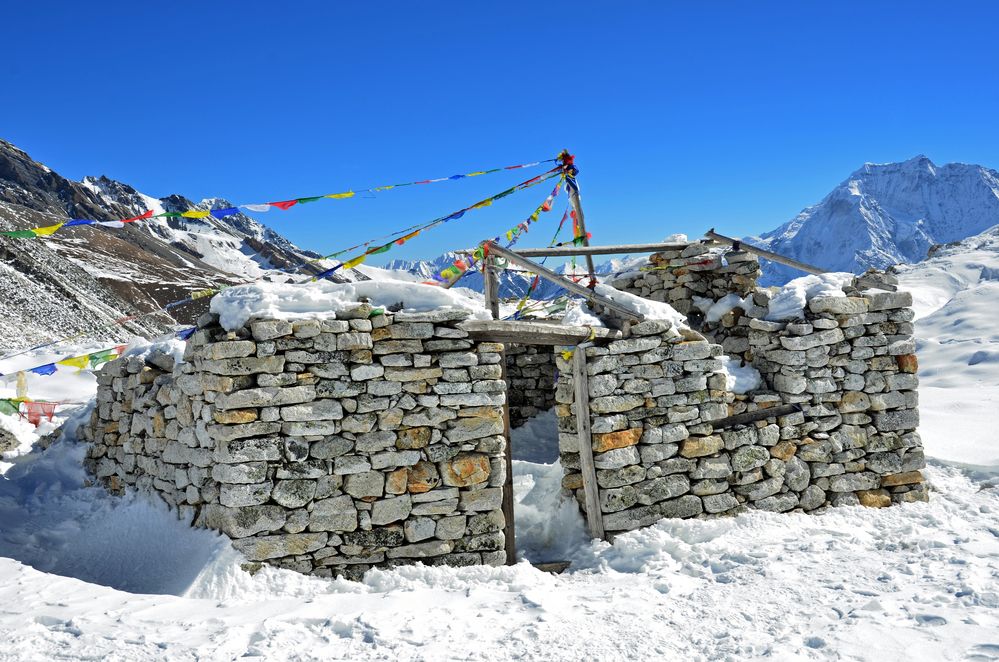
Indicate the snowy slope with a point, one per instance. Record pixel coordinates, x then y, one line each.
885 214
955 296
914 582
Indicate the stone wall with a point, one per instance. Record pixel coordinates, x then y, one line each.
530 374
678 276
848 363
324 446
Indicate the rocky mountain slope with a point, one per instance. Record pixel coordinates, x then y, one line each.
81 279
885 214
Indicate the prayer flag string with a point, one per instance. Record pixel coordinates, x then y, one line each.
255 207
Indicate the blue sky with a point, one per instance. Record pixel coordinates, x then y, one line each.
683 116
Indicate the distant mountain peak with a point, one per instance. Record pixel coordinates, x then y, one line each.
885 214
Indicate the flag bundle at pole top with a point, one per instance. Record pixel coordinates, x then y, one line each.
255 207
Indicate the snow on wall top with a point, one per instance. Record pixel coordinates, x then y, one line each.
236 305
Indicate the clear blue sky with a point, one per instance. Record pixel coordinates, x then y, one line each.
683 116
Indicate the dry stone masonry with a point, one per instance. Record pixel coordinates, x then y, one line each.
330 446
324 446
530 374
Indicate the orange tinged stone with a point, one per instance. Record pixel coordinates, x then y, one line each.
235 416
783 450
397 481
907 363
413 438
465 469
907 478
620 439
874 498
572 482
381 333
701 446
422 477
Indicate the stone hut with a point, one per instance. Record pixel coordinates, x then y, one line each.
372 438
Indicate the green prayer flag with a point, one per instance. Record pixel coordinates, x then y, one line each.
9 407
302 201
380 249
20 234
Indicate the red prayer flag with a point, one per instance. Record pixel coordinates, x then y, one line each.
284 204
138 218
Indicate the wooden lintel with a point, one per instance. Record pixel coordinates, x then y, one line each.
534 333
755 415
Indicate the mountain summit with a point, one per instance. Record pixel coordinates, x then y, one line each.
887 213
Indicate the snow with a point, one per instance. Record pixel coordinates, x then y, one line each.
581 315
87 575
715 310
236 305
789 301
652 310
740 378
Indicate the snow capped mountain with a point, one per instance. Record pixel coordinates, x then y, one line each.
80 281
884 214
513 283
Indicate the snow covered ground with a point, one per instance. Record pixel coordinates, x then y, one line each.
85 575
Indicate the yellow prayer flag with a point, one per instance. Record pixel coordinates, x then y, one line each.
476 174
79 362
46 231
195 214
350 264
338 196
484 203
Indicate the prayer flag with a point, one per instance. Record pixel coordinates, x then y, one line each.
79 362
195 213
350 264
47 369
222 213
9 407
184 334
259 208
284 204
350 194
20 234
148 214
79 221
307 200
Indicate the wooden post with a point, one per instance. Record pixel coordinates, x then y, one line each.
490 286
508 505
594 518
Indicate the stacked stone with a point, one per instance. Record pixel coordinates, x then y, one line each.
851 364
530 375
324 446
651 398
678 276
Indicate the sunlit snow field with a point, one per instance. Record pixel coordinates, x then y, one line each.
86 575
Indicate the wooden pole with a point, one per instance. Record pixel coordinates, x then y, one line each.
756 415
591 494
803 266
568 251
575 288
578 207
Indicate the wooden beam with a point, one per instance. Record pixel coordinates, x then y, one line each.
594 518
802 266
755 415
508 500
575 288
620 249
534 333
